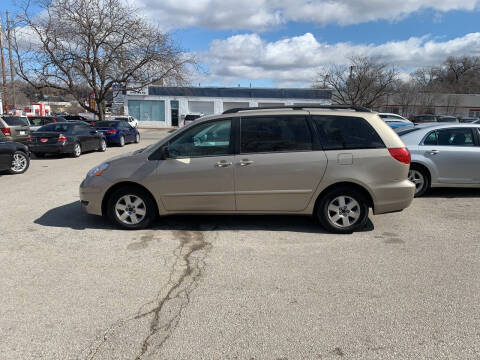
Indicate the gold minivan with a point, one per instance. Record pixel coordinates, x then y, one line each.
332 162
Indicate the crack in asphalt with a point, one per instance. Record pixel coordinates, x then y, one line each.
167 307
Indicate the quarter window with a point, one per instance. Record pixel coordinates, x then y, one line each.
455 137
207 139
347 132
275 134
431 139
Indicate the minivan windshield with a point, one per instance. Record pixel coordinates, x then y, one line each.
16 120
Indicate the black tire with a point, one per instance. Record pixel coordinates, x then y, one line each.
39 155
420 177
137 138
102 145
77 150
20 163
121 143
132 193
357 216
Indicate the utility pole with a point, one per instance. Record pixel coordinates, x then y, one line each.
12 68
4 76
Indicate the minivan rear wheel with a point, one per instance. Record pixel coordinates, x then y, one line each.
131 208
343 210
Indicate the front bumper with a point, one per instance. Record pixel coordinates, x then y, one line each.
393 197
92 190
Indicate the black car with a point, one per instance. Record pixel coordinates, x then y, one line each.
14 157
71 138
38 121
78 118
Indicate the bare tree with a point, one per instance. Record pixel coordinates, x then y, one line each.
363 82
97 43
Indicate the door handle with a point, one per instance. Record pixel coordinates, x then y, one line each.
246 162
222 164
433 152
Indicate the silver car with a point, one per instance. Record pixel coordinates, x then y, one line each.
331 162
443 155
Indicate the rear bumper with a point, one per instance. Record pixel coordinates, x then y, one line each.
393 197
51 148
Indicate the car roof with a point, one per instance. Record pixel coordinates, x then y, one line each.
418 132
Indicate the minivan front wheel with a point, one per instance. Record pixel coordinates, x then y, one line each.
131 208
343 210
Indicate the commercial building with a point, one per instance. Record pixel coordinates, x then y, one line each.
167 106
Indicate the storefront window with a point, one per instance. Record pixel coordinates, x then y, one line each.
147 110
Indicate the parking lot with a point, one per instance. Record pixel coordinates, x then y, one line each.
232 287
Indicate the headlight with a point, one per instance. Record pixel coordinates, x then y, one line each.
98 170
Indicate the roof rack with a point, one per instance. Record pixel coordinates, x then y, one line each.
301 107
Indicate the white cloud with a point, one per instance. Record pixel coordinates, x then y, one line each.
296 61
260 15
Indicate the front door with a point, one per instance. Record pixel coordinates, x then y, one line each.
277 168
456 155
198 173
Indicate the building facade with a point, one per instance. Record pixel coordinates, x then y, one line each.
167 106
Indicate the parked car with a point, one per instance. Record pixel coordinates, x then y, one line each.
467 119
14 128
395 121
78 118
36 122
427 118
118 132
72 138
447 119
443 155
14 157
332 162
130 119
189 118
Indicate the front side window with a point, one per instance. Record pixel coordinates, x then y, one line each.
275 134
455 137
347 132
207 139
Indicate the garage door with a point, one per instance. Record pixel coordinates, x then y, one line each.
233 105
203 107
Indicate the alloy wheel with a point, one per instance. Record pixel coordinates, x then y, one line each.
343 211
130 209
19 163
417 178
77 150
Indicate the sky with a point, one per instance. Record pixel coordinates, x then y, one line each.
285 43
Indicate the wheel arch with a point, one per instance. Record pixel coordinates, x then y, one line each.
350 184
121 184
424 167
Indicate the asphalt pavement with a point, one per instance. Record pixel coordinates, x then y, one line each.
232 287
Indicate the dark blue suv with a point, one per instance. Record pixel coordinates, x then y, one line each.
118 132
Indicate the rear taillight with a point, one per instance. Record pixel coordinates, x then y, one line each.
29 139
62 138
54 120
6 131
400 154
92 123
112 131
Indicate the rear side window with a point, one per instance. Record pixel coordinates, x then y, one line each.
15 121
100 124
455 137
275 134
347 132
